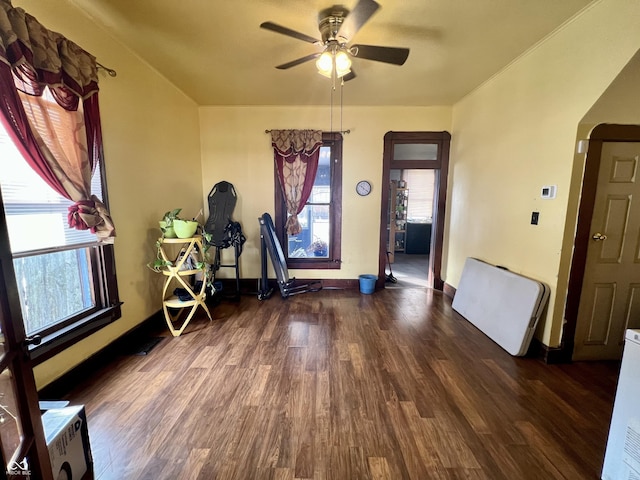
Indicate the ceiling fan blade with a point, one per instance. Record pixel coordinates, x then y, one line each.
274 27
356 18
394 55
298 61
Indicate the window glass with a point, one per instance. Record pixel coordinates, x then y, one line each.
36 215
415 151
314 239
421 184
53 286
318 244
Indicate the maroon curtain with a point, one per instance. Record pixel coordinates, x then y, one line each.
15 122
33 58
296 154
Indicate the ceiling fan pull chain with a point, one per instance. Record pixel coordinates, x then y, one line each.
331 111
341 93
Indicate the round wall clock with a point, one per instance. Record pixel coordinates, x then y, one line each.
363 188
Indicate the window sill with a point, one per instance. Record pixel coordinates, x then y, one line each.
58 341
323 264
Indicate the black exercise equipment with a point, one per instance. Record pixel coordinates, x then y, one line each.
269 244
222 201
223 231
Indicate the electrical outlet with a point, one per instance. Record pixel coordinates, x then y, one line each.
534 218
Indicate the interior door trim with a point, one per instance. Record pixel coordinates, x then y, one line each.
600 134
441 167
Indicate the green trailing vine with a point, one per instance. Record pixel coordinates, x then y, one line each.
159 263
166 226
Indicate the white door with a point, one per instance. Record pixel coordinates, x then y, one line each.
610 298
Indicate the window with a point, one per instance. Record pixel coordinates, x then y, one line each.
415 151
318 245
421 185
66 280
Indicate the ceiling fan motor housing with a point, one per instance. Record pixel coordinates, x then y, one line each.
329 22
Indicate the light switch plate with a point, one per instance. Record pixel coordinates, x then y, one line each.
534 218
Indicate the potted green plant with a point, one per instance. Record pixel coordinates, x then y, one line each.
166 224
185 228
172 226
166 227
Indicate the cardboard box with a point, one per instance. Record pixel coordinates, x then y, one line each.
67 437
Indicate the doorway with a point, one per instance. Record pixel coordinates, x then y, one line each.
410 209
603 298
414 151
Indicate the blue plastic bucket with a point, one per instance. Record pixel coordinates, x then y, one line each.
367 283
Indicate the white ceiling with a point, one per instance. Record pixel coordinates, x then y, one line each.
216 53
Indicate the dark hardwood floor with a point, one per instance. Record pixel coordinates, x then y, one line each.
340 385
409 270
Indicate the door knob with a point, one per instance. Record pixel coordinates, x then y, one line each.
599 237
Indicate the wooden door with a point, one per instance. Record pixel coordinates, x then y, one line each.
22 442
610 296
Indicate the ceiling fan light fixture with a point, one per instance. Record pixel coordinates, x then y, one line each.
330 60
325 64
343 63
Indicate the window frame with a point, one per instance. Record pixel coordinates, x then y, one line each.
333 261
80 326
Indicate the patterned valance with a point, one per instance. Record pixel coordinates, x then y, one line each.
291 143
296 154
40 57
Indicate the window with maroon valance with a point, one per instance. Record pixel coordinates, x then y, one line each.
296 154
34 60
318 201
59 230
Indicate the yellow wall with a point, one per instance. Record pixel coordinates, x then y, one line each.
152 157
620 103
236 148
516 133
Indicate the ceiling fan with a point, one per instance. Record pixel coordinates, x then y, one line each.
338 26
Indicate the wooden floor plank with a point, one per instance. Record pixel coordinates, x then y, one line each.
340 385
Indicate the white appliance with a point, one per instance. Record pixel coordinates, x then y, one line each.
504 305
622 457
